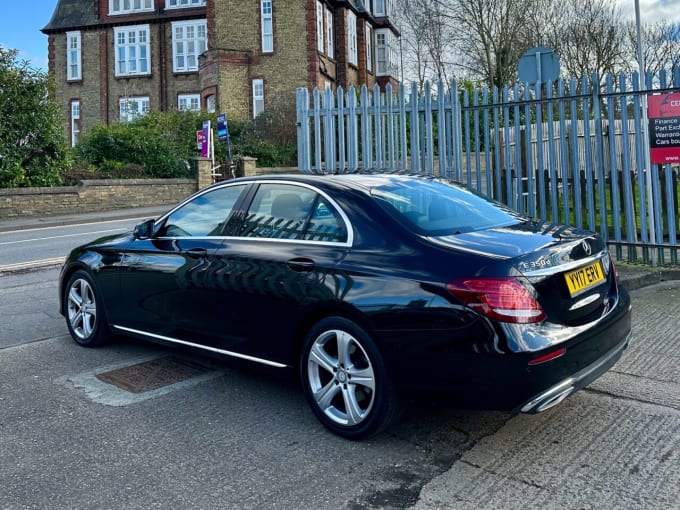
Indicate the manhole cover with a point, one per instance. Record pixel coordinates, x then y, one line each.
152 375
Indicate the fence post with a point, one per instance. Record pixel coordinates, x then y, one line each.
352 129
303 139
317 132
415 130
441 128
366 141
340 98
329 130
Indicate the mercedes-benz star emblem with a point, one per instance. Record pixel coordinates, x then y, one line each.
586 247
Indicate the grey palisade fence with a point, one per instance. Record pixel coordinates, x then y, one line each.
571 152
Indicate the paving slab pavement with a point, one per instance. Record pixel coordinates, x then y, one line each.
614 445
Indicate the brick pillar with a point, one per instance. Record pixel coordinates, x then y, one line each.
249 165
204 177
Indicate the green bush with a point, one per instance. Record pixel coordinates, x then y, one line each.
163 145
33 148
109 148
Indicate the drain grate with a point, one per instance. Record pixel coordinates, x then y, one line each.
153 374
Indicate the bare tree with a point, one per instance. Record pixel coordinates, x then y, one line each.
661 46
589 37
485 39
426 35
491 36
412 22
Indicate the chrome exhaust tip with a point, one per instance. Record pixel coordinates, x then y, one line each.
554 400
549 398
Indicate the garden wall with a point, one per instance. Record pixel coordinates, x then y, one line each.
93 196
111 194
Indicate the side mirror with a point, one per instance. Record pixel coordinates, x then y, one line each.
144 230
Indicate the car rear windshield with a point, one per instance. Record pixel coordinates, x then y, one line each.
437 207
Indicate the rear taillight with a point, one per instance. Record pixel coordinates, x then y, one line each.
502 298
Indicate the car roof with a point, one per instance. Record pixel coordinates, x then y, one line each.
364 181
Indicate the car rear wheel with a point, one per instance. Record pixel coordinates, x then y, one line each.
85 316
345 380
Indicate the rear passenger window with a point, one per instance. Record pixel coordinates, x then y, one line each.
286 211
325 224
278 211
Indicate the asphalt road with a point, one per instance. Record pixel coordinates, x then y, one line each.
239 438
43 246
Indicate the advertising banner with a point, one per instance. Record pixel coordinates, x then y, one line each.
664 128
205 149
222 129
199 140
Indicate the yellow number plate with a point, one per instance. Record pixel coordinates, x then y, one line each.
584 278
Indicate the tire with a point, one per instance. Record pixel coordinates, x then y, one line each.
84 311
345 380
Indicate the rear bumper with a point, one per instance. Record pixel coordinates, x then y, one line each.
558 392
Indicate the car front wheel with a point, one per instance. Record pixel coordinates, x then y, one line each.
85 316
345 380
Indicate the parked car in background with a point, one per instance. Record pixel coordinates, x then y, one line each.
367 285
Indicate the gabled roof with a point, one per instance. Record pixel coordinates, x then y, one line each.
72 14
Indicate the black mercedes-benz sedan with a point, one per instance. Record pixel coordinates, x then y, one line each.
367 285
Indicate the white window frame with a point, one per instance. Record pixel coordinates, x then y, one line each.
258 97
141 107
386 53
381 52
188 47
368 33
192 102
383 8
210 103
129 6
267 25
319 27
183 4
329 34
75 122
74 56
352 54
137 54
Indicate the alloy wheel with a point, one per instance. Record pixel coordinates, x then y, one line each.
341 377
82 309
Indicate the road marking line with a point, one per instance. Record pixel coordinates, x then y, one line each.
62 236
19 266
66 225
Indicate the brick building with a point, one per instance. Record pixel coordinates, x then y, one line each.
115 59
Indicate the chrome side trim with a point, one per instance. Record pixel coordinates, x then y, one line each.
334 204
204 347
261 239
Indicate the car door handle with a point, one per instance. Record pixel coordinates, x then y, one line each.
197 252
301 264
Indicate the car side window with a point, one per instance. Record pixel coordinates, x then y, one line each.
203 216
278 211
325 224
